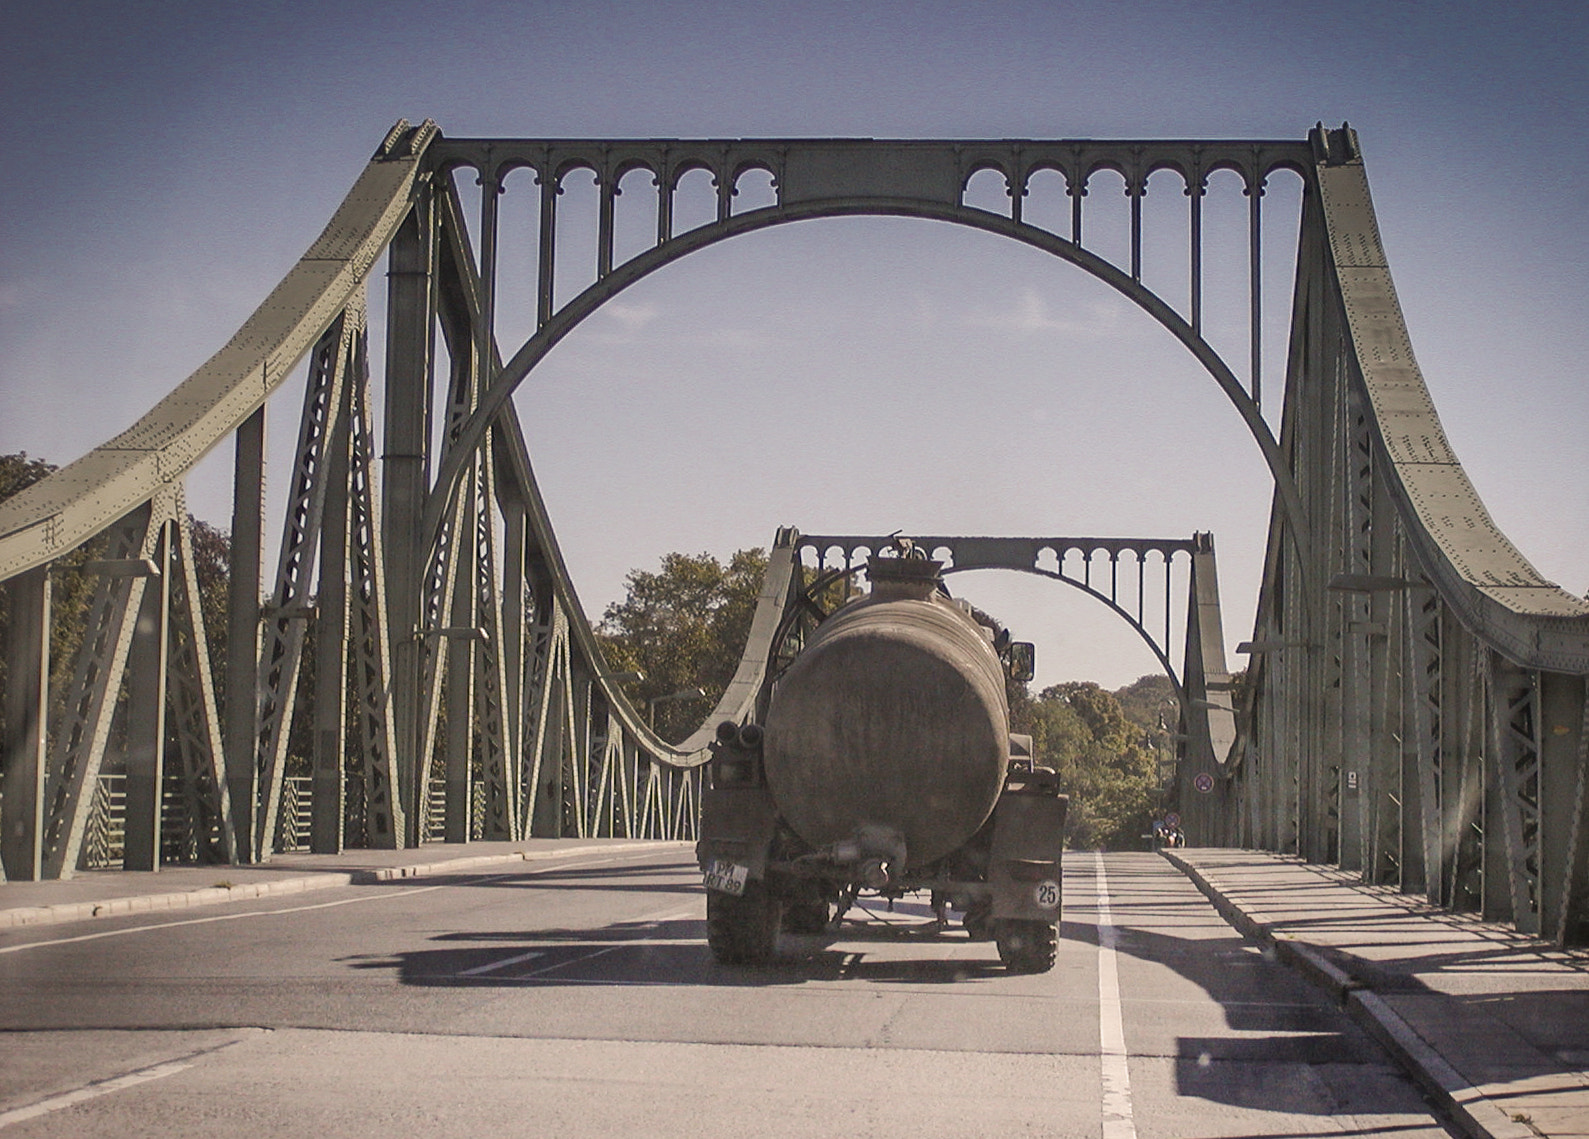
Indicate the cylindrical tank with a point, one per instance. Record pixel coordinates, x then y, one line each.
893 717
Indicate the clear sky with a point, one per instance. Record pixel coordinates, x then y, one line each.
168 162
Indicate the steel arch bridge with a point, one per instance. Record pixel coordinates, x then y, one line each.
1416 701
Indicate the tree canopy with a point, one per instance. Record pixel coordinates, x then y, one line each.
683 627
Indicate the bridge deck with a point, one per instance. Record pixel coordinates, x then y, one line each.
1492 1022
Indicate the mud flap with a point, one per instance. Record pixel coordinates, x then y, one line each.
1024 869
737 827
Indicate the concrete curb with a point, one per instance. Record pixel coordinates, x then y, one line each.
21 916
1466 1105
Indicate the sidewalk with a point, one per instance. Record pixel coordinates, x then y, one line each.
1492 1023
103 893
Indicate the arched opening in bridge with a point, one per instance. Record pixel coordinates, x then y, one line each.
862 374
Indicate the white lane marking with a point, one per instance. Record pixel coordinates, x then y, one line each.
291 909
502 964
669 914
92 1091
1114 1072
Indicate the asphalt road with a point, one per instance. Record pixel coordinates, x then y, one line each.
577 998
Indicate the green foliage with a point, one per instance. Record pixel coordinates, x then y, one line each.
71 590
1104 761
684 627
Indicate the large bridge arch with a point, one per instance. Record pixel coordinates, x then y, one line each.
924 181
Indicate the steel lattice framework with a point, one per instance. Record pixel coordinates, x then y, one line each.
1415 707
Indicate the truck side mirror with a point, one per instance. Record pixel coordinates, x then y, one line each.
1022 657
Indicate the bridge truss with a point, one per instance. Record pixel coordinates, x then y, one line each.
419 660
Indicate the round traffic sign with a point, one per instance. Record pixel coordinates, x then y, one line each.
1203 782
1172 819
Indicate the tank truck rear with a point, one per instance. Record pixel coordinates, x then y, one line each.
882 763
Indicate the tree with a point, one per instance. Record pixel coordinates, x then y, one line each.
1103 759
683 627
71 590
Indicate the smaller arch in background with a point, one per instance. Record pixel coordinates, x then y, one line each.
987 187
1046 200
694 194
755 188
636 200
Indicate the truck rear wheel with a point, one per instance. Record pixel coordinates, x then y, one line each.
742 930
1026 946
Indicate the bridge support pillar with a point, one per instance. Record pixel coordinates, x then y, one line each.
240 732
1564 809
146 711
405 465
24 748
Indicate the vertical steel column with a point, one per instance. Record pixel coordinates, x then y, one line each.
514 629
1414 730
328 798
79 747
405 480
665 187
1136 187
242 629
146 711
608 190
551 187
461 669
281 657
1561 801
210 833
548 742
1254 191
1572 925
27 704
384 818
1195 189
1383 818
1514 740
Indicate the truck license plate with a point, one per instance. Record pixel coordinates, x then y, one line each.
727 877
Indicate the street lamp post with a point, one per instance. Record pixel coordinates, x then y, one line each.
671 698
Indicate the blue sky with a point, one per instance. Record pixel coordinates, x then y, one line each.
170 161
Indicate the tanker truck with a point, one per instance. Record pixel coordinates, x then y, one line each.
880 762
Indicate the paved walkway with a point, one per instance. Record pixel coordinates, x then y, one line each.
1492 1023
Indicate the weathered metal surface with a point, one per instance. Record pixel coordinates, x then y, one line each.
893 716
1500 595
61 512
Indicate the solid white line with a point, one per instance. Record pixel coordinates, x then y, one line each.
92 1091
382 896
503 964
1114 1073
218 917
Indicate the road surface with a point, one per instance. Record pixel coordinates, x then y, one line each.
576 997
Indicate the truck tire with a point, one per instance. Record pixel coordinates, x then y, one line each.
1026 946
742 930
